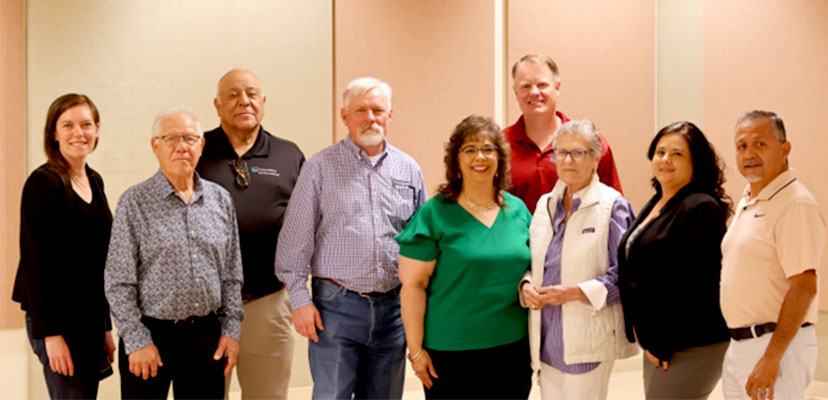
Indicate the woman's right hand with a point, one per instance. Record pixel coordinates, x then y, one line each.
424 369
530 295
658 363
60 360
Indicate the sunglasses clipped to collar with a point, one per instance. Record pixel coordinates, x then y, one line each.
241 172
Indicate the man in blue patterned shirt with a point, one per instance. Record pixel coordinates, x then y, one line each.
173 273
350 201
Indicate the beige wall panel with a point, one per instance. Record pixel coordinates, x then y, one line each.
12 150
770 55
604 50
438 57
680 61
134 58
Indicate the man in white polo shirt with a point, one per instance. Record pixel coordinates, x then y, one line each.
770 256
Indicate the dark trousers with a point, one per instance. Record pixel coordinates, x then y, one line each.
186 349
502 372
84 383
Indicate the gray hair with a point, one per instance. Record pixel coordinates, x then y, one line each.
169 112
585 129
539 59
776 122
360 86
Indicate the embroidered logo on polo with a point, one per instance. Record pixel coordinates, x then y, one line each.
264 171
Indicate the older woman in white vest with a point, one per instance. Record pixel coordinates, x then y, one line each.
576 326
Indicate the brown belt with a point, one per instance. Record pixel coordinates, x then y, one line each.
371 295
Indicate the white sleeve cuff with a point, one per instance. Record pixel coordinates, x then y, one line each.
595 292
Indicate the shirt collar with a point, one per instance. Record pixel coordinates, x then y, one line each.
161 187
519 128
781 181
359 153
261 148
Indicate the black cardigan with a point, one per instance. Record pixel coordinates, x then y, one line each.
669 284
63 244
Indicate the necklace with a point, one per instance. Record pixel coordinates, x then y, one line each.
477 207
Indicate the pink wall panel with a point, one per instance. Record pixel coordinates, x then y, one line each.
12 150
436 55
605 52
771 55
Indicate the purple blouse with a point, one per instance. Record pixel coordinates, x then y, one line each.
552 348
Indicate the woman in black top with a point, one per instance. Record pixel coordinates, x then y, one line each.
669 265
64 233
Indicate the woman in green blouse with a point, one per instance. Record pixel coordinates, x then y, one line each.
461 258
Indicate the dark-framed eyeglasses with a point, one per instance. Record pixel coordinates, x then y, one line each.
241 172
577 154
172 140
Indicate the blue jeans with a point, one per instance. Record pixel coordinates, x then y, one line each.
361 351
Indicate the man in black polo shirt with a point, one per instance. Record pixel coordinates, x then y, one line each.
259 170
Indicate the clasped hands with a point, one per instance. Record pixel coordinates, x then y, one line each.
538 297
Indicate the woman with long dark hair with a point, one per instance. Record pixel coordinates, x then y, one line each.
669 266
65 224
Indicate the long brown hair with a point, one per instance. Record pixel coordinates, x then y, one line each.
55 159
475 126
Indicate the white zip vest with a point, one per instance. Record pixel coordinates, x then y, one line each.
592 332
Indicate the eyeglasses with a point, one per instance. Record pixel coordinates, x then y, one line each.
241 171
172 140
577 155
471 151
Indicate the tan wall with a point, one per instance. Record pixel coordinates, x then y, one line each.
438 56
12 149
604 50
134 58
629 67
771 55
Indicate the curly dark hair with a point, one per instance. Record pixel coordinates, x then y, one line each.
708 168
475 127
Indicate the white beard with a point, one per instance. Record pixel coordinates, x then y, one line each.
371 135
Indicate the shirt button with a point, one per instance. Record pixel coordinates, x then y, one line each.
196 304
378 240
194 256
192 233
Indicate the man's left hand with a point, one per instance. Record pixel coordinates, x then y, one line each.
762 379
229 347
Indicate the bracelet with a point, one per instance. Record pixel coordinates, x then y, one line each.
417 356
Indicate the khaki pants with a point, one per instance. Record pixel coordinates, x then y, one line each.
266 347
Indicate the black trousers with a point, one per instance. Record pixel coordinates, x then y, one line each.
502 372
186 350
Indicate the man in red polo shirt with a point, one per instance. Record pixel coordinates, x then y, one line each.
537 86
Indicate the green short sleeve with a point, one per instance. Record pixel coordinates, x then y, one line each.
417 240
